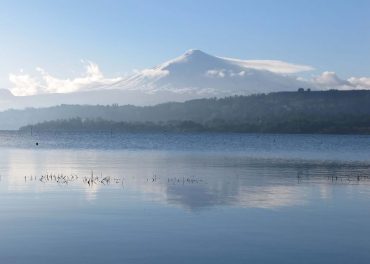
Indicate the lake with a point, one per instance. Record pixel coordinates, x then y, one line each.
184 198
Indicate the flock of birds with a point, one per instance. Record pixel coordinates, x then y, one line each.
336 179
93 179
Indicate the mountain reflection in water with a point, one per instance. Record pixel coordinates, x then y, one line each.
191 180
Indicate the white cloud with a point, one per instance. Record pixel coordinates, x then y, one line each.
154 73
363 82
24 84
275 66
216 73
222 73
330 80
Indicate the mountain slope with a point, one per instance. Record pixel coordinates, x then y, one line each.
193 75
199 73
5 94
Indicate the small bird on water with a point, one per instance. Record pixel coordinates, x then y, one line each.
37 143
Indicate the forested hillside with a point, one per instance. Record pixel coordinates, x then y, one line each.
305 111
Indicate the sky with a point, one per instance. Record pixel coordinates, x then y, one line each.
123 36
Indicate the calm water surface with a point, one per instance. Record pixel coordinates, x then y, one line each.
177 198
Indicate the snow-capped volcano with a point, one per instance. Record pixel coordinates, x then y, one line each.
197 72
193 75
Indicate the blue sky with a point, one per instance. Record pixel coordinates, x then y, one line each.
124 35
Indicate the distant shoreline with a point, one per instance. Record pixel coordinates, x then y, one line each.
103 126
301 112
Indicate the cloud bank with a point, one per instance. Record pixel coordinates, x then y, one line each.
275 66
330 80
222 73
25 84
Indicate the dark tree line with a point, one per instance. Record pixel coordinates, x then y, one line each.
283 112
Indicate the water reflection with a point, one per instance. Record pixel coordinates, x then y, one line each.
190 180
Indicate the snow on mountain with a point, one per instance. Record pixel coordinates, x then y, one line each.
193 75
199 73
